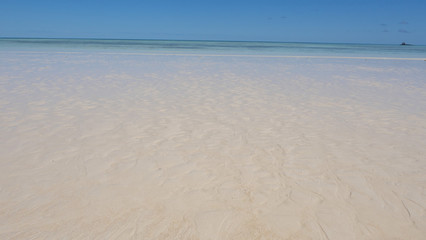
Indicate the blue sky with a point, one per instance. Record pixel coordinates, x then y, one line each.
347 21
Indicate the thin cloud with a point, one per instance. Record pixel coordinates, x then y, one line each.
403 22
272 18
383 25
385 31
403 31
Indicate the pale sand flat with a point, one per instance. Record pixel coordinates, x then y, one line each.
121 146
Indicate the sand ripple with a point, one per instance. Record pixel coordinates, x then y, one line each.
97 146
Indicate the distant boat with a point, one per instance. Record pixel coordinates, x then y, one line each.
405 44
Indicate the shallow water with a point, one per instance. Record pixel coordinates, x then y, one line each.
214 47
122 146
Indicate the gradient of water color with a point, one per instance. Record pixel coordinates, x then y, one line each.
213 47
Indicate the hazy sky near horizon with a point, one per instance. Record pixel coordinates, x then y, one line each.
354 21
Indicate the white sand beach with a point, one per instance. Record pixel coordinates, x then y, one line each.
134 146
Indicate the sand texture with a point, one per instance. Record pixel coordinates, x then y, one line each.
118 146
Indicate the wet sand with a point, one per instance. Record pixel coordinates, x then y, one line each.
122 146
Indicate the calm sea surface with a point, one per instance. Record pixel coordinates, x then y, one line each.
213 47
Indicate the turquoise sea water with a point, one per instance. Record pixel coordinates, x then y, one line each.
213 47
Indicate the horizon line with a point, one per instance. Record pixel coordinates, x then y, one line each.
198 40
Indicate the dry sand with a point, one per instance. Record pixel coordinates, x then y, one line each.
116 146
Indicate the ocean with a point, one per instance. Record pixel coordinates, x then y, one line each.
213 47
122 139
